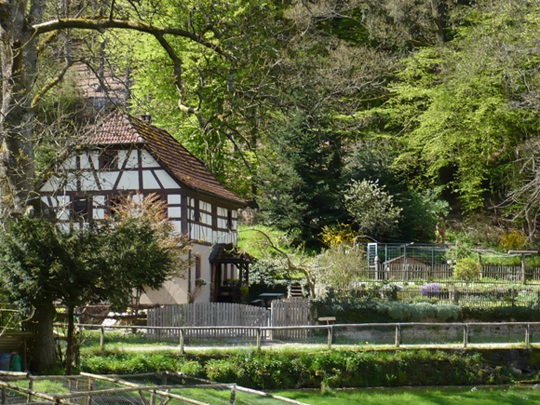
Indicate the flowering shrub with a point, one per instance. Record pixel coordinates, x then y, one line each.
430 290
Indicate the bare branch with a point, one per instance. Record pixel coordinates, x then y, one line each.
290 264
101 24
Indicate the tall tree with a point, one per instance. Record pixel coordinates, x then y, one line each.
461 109
36 33
299 191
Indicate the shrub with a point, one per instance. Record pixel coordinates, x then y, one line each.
422 311
467 269
448 312
512 240
429 290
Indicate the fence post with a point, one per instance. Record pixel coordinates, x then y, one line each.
102 338
259 334
30 388
465 335
181 342
163 378
330 336
528 335
398 335
4 395
233 395
456 295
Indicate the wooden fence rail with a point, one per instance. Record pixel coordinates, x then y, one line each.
393 334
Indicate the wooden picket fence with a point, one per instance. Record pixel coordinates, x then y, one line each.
288 312
208 314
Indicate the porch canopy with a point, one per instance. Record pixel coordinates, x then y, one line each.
223 257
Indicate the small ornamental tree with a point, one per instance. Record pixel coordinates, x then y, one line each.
338 267
42 263
372 208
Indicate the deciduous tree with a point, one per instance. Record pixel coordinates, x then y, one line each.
43 264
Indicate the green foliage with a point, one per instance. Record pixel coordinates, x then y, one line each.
458 252
501 314
311 369
300 193
467 269
420 213
460 108
42 263
255 239
362 311
340 266
513 240
372 208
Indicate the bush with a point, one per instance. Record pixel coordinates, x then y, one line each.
515 240
316 369
467 269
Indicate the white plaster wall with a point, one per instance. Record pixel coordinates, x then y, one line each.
53 184
174 199
174 212
106 179
148 160
149 181
166 180
175 291
129 180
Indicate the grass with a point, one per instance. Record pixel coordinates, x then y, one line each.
420 396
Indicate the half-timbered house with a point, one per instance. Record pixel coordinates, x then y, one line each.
123 155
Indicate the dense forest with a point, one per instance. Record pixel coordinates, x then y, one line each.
331 117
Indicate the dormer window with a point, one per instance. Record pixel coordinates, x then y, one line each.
108 160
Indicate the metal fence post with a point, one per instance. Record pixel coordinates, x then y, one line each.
233 395
465 335
528 336
398 335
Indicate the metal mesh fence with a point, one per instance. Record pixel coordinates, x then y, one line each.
417 262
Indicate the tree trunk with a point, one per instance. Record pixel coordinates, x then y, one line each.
43 349
70 342
18 58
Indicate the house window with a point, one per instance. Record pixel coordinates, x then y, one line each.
108 160
81 209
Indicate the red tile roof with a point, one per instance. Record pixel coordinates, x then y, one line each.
120 129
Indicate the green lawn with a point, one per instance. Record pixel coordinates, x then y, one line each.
420 396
